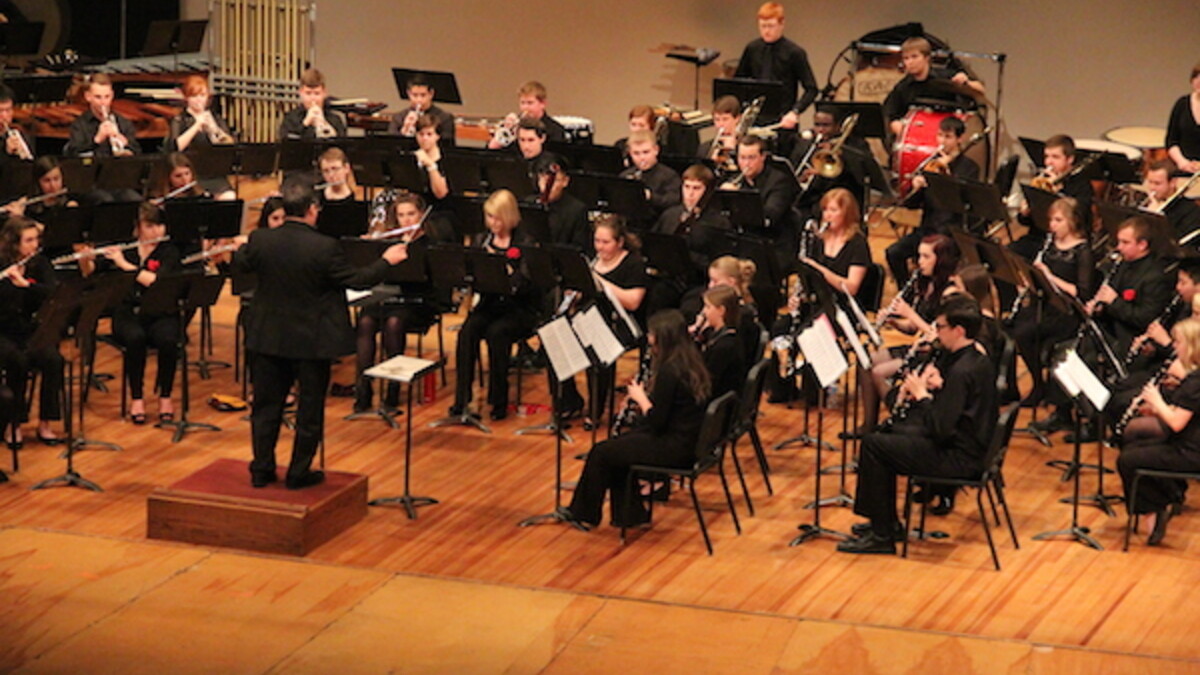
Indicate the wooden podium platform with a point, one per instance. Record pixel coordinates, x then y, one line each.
216 506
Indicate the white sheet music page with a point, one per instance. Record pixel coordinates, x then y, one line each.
820 347
563 349
1075 376
604 343
633 326
843 320
400 368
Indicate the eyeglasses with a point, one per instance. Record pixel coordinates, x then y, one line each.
940 326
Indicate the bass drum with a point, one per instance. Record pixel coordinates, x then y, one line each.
919 140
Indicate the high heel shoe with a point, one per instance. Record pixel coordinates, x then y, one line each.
49 440
11 440
1160 527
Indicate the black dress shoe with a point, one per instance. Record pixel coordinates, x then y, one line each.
259 480
307 480
457 410
49 440
863 529
499 412
1051 424
1160 527
868 543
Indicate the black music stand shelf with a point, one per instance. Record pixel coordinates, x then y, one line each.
406 370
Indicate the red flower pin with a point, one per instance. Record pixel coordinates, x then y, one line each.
513 253
1129 294
152 265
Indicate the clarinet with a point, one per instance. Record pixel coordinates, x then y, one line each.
1017 302
630 414
1116 259
1132 411
887 312
902 405
1162 320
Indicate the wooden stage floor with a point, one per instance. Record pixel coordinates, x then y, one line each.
1055 593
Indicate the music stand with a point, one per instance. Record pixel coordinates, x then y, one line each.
213 161
16 178
300 155
611 194
668 254
821 297
405 370
182 294
870 122
1113 215
535 221
124 173
53 316
501 171
1039 206
99 294
777 100
443 84
346 218
602 159
744 209
165 37
468 215
404 173
64 228
112 223
462 170
257 159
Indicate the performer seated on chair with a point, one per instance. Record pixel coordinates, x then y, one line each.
314 118
641 118
825 130
1123 308
338 177
414 309
719 343
180 172
567 214
952 414
736 273
198 126
919 74
1182 214
1177 446
661 181
100 132
1067 263
501 320
671 404
22 292
721 149
420 94
1059 157
776 188
531 101
136 330
933 219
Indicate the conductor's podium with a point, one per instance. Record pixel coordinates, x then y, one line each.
216 506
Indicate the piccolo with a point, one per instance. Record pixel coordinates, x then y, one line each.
93 252
173 193
205 255
20 263
41 198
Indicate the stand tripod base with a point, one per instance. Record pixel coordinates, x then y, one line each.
852 467
808 532
182 426
464 420
1079 534
82 443
205 367
550 428
68 479
557 516
1070 468
841 499
805 439
411 503
1041 438
386 414
1100 501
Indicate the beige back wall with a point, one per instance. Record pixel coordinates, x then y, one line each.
1074 66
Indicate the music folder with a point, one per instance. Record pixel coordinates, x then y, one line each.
444 84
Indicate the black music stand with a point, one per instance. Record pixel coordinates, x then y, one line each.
53 317
165 37
64 228
213 161
182 294
97 295
1081 400
744 209
124 173
814 530
535 221
191 222
443 84
1112 215
870 122
405 370
301 155
468 215
611 194
347 218
501 171
257 159
461 168
79 173
16 179
819 295
1039 206
777 100
602 159
40 88
403 172
21 38
668 255
112 223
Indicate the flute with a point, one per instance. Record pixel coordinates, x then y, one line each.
19 264
93 252
41 198
174 193
395 232
205 255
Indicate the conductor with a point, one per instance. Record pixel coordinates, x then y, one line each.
298 324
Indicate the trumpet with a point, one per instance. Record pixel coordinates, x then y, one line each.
114 142
887 311
19 264
216 135
409 126
828 163
23 151
157 201
321 126
1139 400
93 252
506 133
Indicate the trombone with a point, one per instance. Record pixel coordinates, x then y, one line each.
828 163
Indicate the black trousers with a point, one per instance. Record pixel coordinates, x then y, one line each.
905 249
17 361
394 324
136 333
607 470
1034 337
1155 494
501 325
273 378
886 456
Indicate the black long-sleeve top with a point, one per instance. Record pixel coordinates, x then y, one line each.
962 414
780 61
525 297
292 127
1074 265
777 189
1182 129
445 124
184 121
705 237
1143 291
18 306
723 353
675 418
82 138
569 222
164 259
664 185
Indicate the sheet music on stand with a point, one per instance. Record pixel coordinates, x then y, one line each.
867 326
1075 376
819 344
594 332
566 355
401 368
843 320
634 329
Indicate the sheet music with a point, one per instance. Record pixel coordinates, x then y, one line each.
401 368
563 349
353 296
1075 376
634 329
843 320
869 327
821 351
599 336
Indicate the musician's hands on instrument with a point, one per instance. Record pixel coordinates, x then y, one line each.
902 310
396 254
1157 333
1190 166
424 160
15 208
1106 294
919 182
1153 396
16 275
637 392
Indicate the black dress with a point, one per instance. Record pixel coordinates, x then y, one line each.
666 436
1035 330
1179 452
18 311
723 355
1182 129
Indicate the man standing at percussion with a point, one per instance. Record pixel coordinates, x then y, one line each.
420 102
917 55
298 325
775 58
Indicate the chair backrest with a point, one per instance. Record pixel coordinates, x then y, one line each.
748 403
1004 430
870 291
715 428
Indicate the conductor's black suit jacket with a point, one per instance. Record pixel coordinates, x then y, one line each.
299 309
